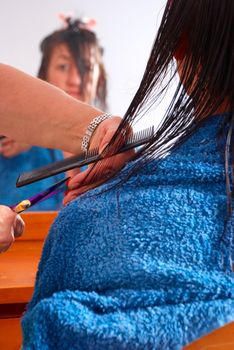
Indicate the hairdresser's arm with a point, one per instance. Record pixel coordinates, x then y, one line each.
38 113
11 226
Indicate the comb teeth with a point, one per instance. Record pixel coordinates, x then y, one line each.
91 153
137 139
141 136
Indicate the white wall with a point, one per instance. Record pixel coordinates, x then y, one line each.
126 29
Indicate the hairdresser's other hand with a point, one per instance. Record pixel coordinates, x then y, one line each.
11 148
11 226
105 168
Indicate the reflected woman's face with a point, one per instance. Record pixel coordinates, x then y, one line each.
63 73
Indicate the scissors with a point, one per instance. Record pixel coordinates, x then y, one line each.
58 187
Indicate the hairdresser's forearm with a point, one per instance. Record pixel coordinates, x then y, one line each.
35 112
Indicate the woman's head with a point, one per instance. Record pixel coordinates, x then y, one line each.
199 35
72 60
204 51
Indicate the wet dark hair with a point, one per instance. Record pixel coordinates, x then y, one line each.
79 41
200 31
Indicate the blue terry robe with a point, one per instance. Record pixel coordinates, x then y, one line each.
140 267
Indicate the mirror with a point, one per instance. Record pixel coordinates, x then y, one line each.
126 30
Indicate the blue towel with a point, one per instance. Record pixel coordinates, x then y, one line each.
140 267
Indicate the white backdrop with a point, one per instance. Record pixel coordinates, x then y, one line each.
126 29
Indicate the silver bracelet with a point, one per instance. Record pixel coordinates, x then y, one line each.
90 130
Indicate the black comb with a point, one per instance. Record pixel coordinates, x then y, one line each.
137 139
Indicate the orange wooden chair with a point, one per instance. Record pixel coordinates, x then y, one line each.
18 267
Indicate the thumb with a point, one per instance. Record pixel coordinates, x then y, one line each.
18 226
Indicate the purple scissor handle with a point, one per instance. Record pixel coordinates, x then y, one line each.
58 187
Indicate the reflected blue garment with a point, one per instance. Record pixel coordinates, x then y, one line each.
140 267
11 168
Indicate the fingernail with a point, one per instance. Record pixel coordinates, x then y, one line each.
19 229
19 226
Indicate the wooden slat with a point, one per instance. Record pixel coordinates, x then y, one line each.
18 269
220 339
37 224
10 334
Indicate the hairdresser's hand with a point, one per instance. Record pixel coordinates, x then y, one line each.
11 226
11 148
99 173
